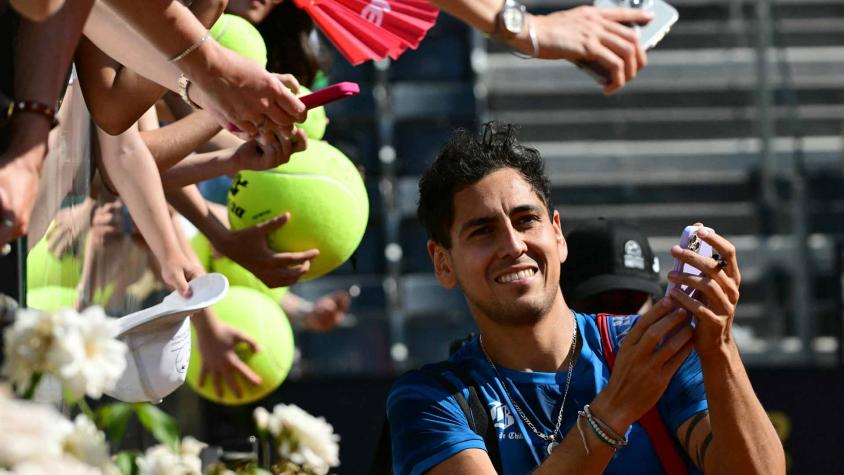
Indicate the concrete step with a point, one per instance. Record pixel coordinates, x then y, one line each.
673 72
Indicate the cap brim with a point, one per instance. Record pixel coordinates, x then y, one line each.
603 283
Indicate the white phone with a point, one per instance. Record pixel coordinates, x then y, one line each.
649 35
691 241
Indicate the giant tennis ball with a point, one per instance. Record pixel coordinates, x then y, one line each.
45 269
326 198
314 126
51 298
237 275
240 36
262 319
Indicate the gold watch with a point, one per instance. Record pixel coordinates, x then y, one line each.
183 86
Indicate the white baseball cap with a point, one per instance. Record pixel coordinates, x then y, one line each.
159 341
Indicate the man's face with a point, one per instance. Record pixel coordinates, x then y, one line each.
506 251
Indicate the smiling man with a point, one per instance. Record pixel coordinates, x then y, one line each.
540 371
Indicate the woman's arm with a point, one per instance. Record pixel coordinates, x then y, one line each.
233 88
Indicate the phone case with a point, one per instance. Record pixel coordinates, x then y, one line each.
330 94
649 35
690 240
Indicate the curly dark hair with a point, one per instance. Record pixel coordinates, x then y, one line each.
463 161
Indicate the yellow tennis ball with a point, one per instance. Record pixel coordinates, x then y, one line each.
262 319
314 126
326 198
45 269
51 298
238 276
240 36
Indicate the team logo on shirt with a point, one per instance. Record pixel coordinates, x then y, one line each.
501 416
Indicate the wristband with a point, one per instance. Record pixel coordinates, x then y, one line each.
34 107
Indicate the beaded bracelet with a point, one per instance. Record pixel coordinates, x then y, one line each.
33 107
598 427
606 427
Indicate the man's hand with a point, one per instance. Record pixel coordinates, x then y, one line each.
248 247
218 345
68 226
719 284
269 151
588 34
18 188
240 92
328 311
20 171
647 359
177 271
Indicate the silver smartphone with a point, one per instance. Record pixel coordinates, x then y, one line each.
649 35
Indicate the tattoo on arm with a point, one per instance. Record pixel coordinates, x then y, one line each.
695 421
701 451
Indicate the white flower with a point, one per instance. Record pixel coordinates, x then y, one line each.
159 460
306 440
80 350
38 342
102 360
30 431
162 460
88 445
262 419
189 451
52 466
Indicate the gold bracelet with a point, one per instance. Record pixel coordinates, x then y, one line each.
191 48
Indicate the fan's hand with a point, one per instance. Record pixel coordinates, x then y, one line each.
218 345
592 35
241 93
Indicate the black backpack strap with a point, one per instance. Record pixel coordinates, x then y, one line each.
473 410
382 463
483 425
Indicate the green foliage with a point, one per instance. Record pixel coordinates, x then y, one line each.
125 461
159 424
113 419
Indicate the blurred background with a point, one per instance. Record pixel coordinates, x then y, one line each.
736 122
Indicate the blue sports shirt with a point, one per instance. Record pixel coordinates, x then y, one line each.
428 426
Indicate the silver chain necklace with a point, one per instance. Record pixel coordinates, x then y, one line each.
551 440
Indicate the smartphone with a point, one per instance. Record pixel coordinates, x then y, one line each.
328 94
331 93
649 35
691 241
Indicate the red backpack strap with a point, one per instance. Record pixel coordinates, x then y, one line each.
666 449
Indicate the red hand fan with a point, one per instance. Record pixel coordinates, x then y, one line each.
372 29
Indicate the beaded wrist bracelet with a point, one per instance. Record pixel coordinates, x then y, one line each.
34 107
601 429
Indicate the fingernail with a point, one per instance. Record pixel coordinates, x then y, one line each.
675 249
703 232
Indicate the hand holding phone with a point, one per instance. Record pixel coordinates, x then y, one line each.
649 34
691 241
324 96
